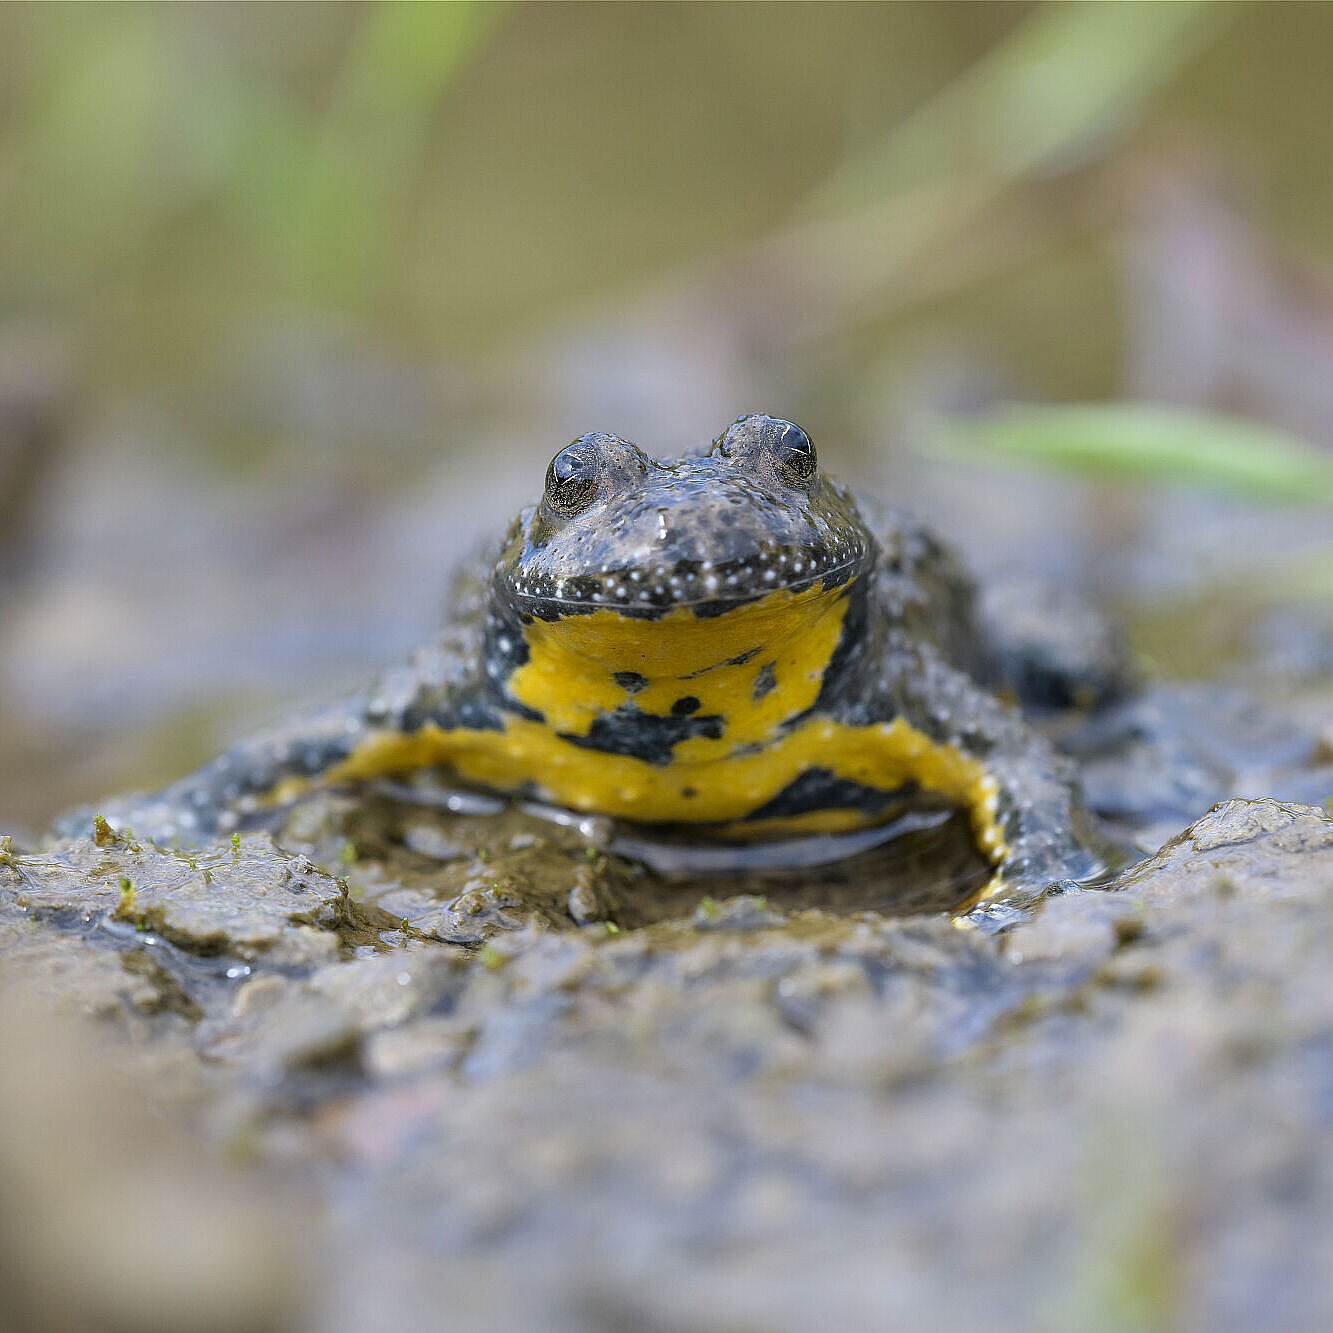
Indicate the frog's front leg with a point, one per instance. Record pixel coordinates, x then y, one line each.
264 769
314 746
1021 795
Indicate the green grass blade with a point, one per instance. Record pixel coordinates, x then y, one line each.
1140 442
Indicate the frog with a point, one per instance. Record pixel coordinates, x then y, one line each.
728 643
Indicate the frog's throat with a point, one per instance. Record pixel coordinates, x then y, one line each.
754 667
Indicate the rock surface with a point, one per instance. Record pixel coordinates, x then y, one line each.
745 1114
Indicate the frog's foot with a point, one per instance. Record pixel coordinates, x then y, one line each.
1051 650
158 819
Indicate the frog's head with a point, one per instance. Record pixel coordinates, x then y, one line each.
660 570
617 530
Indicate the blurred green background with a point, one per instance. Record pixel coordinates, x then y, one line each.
296 301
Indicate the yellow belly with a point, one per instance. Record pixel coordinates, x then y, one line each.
711 790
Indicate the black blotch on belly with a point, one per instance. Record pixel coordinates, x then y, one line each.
684 707
739 660
647 736
765 681
630 681
822 789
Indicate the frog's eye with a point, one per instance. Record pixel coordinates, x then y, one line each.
573 477
794 456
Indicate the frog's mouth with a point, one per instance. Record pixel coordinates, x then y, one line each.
704 588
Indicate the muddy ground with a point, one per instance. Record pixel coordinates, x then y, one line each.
461 1077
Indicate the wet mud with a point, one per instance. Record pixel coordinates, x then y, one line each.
501 1071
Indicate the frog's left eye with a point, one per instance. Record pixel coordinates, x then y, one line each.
794 456
573 479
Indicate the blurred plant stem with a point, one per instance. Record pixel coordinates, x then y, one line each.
127 127
1046 98
354 183
1058 93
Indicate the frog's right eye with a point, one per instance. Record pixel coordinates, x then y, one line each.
794 455
574 477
